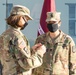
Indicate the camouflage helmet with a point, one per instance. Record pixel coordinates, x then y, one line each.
53 16
20 10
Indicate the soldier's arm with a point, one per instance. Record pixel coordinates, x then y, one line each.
37 57
24 57
72 58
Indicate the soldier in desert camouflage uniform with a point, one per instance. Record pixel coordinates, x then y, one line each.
16 57
60 56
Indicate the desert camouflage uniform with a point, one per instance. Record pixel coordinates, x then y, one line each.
15 56
60 57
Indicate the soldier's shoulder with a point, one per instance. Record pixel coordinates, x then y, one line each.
42 36
8 34
69 38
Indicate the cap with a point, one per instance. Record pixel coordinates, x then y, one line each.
20 10
53 16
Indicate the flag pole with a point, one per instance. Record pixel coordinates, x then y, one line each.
6 12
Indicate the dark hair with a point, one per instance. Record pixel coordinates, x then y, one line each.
13 20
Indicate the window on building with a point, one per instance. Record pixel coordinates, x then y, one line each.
9 6
72 27
72 19
71 11
8 9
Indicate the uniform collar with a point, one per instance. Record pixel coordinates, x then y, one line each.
16 29
55 40
59 37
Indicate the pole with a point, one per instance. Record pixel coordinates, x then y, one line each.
6 12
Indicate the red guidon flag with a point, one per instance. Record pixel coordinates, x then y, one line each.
48 6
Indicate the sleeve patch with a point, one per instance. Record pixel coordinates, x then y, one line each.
73 49
22 44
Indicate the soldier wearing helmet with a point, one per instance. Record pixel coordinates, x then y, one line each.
16 56
60 56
